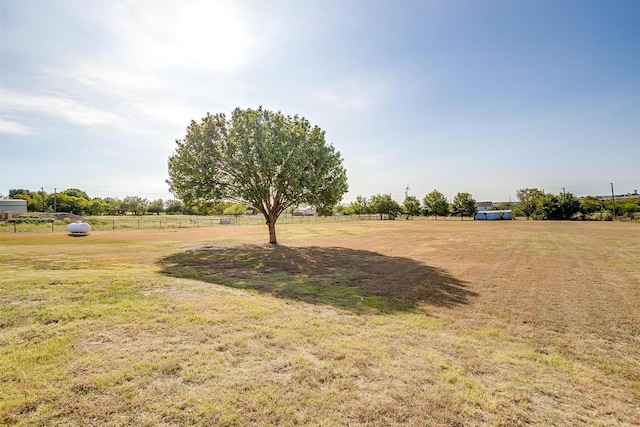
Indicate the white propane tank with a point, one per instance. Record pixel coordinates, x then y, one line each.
78 228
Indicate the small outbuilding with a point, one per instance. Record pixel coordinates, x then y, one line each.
12 207
483 206
493 215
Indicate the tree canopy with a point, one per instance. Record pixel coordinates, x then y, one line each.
563 206
359 207
411 206
383 204
75 192
589 205
464 205
529 200
258 158
435 203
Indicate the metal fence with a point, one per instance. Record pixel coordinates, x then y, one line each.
103 223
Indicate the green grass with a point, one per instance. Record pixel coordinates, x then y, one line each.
149 328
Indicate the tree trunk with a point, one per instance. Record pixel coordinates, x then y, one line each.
272 233
271 223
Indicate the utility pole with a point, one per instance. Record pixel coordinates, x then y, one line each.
613 198
55 199
42 191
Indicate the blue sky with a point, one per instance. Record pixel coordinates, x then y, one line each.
481 97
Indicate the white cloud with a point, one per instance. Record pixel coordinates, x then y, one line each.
7 126
116 81
55 106
159 64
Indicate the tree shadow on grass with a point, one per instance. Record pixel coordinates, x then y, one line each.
356 280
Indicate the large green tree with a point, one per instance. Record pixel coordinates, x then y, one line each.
325 211
235 209
383 204
76 192
359 207
115 206
173 207
435 203
411 206
590 205
464 205
66 203
13 192
562 206
135 204
529 200
257 158
156 207
569 205
630 207
95 206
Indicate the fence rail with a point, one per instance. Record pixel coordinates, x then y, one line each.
104 223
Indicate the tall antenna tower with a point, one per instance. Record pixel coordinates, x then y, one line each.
406 191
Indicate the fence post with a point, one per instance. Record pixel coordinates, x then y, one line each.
14 228
113 224
52 224
161 224
138 224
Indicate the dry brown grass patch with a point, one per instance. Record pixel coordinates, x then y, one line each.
143 328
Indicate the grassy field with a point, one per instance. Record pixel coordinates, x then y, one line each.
349 323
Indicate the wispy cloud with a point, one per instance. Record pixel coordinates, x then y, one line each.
7 126
157 64
55 106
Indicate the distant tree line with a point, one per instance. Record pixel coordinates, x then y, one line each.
433 204
78 202
532 204
536 204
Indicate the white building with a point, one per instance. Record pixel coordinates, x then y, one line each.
12 207
493 215
484 206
